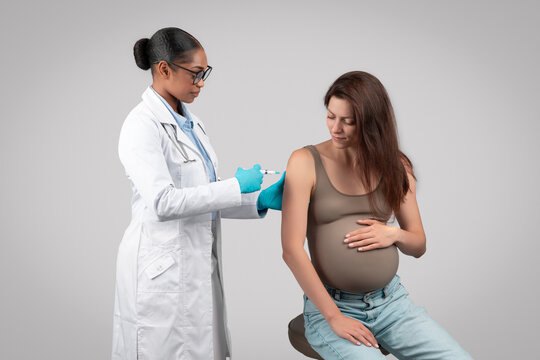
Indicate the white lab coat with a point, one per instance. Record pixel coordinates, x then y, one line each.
163 302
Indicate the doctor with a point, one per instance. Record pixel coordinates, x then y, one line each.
169 291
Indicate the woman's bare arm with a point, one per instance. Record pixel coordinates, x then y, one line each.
409 238
299 182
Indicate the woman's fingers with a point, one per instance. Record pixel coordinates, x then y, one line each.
361 243
369 247
366 337
361 230
362 340
353 330
369 337
367 222
363 337
352 339
365 234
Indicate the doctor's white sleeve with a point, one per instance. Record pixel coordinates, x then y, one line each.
141 154
246 210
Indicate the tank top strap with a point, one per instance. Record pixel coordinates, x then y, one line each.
321 177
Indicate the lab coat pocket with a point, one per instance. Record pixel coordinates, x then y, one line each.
161 272
159 266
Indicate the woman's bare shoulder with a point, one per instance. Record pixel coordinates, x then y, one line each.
301 166
300 157
300 174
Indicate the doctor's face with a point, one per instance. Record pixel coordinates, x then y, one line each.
180 82
341 123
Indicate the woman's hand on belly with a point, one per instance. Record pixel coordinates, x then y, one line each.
352 330
374 235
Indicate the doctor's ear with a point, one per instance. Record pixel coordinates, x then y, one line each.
163 69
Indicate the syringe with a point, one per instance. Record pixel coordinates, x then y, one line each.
269 172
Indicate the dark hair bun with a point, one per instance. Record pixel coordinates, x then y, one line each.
140 51
167 44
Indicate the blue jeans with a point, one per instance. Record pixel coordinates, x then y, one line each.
402 328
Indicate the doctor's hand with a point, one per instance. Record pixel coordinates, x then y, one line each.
250 180
375 235
352 330
272 196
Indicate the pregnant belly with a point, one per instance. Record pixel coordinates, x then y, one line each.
347 268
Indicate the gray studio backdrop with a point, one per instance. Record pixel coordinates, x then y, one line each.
464 80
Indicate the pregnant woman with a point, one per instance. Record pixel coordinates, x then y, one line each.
340 193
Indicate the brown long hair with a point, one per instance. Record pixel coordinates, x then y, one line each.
378 149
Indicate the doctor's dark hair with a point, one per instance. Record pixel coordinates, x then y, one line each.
377 151
169 44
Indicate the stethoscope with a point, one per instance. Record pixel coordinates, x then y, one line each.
179 146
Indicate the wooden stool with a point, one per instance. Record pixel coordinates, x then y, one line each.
299 342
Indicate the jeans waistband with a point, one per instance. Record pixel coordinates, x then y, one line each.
388 289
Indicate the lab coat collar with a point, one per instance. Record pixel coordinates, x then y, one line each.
157 107
184 121
164 116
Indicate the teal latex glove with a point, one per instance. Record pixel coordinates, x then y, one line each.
250 180
272 196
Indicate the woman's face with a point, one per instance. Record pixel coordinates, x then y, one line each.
179 83
341 123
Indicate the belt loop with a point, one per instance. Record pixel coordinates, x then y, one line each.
331 291
390 288
337 294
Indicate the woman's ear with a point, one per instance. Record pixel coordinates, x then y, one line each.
163 69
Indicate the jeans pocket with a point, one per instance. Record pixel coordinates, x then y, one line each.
309 308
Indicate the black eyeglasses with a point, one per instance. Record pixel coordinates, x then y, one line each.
199 75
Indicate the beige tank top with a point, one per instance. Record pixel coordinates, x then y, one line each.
331 215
